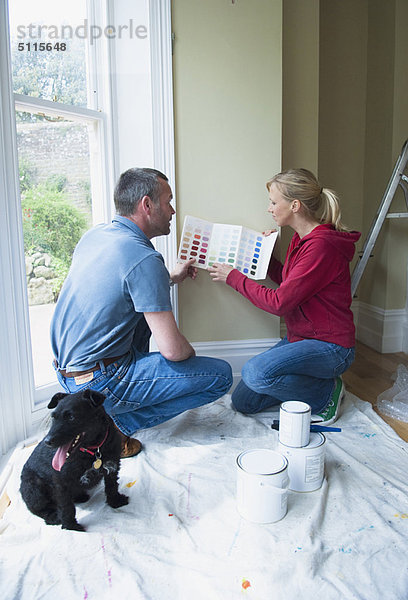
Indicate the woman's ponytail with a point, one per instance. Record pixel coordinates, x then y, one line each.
331 210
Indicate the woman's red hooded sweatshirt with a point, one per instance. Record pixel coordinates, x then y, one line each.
314 294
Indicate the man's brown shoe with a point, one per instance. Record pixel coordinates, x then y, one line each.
130 446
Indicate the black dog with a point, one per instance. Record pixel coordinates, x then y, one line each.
82 447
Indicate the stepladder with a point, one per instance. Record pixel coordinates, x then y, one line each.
398 178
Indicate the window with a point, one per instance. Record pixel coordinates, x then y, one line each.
56 201
48 60
60 147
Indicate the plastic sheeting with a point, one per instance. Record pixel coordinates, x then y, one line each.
181 537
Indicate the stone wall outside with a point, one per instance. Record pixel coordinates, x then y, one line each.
57 148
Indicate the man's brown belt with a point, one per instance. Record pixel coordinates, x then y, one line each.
105 361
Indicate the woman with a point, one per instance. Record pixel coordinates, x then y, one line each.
313 296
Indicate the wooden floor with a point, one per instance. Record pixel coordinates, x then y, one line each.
370 374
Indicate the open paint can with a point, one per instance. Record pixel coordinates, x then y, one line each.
294 423
306 465
262 485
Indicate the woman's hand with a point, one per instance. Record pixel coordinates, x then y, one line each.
268 232
219 272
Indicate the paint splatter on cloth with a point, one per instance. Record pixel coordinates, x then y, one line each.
181 536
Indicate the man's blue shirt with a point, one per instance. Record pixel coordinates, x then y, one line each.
116 275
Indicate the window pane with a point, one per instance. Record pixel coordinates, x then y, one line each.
54 164
48 53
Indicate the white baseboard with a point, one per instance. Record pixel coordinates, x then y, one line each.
405 334
384 330
236 352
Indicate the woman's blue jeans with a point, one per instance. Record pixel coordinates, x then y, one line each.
144 389
304 370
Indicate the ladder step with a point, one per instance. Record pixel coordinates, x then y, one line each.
398 178
402 215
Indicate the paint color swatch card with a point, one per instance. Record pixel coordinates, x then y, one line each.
242 248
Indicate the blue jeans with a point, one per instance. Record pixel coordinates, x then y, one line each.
144 389
304 370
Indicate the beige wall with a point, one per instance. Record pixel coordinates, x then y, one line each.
398 249
342 103
228 96
362 99
344 92
325 54
385 284
300 88
300 115
379 131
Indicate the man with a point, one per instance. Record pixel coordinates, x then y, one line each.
116 295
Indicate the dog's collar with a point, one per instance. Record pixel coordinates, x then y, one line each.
90 448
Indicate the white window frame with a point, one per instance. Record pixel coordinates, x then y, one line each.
15 376
100 185
100 155
20 414
161 50
100 180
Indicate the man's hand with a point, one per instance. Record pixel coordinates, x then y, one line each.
219 272
183 270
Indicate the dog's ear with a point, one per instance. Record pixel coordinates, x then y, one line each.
55 399
95 398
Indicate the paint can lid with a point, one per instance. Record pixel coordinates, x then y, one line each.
262 462
316 439
295 406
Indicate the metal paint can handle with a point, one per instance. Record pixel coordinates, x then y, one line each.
276 489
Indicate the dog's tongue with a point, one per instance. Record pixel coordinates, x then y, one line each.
60 456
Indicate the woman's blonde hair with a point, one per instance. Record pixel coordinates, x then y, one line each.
321 203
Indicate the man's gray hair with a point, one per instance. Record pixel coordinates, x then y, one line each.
133 184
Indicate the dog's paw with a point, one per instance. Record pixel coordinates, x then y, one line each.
73 526
117 501
52 519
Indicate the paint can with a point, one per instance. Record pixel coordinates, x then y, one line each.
306 465
262 485
294 423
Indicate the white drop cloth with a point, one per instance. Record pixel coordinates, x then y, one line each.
181 538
